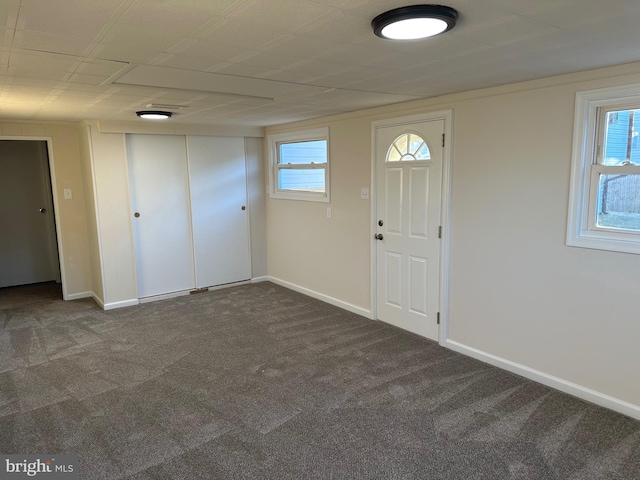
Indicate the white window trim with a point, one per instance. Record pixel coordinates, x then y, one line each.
581 231
299 136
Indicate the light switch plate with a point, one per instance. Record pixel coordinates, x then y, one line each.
68 194
364 193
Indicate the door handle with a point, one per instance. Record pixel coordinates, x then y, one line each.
137 214
378 236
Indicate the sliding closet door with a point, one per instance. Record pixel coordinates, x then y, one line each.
161 213
217 174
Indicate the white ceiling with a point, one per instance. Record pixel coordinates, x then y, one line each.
265 62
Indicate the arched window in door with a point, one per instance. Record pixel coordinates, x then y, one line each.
409 147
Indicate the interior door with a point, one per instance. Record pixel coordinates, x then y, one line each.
408 199
28 252
217 173
159 186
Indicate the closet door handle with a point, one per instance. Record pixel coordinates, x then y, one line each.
243 207
137 214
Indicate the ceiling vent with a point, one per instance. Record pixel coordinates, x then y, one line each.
165 106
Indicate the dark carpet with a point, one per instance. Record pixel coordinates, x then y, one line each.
259 382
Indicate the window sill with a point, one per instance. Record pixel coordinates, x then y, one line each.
602 240
303 196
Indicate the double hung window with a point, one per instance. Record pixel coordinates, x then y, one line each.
604 208
300 165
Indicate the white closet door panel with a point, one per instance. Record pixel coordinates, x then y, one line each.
162 231
217 174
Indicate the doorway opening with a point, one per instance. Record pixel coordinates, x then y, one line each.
29 251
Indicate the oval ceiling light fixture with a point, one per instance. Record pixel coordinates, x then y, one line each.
414 22
154 114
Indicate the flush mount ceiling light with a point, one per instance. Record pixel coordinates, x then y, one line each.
414 22
154 114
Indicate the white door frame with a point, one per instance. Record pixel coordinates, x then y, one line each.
443 301
56 203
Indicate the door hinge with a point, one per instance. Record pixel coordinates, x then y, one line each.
438 318
440 231
443 139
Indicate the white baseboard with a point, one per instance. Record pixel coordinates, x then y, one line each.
98 301
123 303
260 279
579 391
78 296
325 298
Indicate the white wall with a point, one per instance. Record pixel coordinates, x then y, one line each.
517 292
257 205
317 254
92 222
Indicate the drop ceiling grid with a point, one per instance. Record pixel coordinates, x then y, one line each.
323 43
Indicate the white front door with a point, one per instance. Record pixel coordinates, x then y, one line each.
409 161
218 179
162 214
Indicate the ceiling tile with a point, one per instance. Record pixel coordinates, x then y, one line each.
52 43
213 51
241 34
165 17
290 14
73 18
597 15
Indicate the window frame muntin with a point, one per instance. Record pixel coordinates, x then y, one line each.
399 162
587 132
601 126
274 141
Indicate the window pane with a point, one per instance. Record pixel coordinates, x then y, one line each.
402 143
423 153
305 180
408 147
415 143
621 137
619 202
298 153
394 155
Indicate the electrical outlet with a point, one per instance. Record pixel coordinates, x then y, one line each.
328 212
364 193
